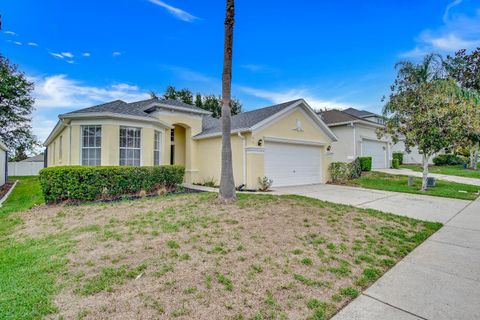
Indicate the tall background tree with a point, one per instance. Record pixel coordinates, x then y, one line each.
210 102
465 69
16 107
427 109
227 183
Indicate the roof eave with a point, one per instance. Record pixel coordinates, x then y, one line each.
219 134
167 106
115 116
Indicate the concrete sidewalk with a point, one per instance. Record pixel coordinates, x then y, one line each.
438 280
408 172
421 207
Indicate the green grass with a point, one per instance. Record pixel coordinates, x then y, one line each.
398 183
28 267
448 170
26 194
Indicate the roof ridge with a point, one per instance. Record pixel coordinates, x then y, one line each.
268 107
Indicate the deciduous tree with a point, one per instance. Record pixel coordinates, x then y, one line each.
16 107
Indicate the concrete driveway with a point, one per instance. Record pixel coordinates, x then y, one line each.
438 280
421 207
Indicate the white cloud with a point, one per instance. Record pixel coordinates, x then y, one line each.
10 33
116 53
59 94
447 10
176 12
86 54
18 43
56 55
67 54
457 32
292 94
70 61
58 91
33 44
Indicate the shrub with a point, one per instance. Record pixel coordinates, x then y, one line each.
264 184
339 171
82 183
447 159
366 163
395 163
399 156
355 169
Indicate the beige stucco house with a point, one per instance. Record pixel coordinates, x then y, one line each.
287 142
357 136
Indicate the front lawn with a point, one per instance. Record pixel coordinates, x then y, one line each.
189 256
448 170
399 183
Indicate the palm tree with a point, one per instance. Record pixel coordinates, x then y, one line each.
227 184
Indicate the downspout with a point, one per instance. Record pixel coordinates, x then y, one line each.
69 126
244 159
354 141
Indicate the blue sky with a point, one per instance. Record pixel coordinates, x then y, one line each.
332 53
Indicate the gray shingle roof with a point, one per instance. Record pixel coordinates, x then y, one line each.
359 113
243 120
37 158
134 108
340 116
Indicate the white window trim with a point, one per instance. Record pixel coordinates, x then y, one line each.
158 147
125 148
81 141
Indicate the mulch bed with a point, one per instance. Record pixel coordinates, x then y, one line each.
5 188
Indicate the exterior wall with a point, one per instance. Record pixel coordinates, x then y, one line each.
343 149
370 133
180 145
110 153
209 160
413 157
3 159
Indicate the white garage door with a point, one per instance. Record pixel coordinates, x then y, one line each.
292 164
377 150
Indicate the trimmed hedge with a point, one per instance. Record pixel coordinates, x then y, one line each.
339 172
355 168
447 159
395 163
86 183
398 156
366 163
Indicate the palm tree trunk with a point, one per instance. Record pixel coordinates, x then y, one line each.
227 184
425 171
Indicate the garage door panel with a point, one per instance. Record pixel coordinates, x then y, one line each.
292 164
377 150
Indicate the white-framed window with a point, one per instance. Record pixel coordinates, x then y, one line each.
91 145
157 148
130 146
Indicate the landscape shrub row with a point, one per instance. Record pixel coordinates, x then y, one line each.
448 159
86 183
366 163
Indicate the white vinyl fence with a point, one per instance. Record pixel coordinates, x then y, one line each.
24 168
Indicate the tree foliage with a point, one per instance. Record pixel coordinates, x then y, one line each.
16 107
427 108
210 102
465 69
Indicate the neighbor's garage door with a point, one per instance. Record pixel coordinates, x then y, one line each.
377 150
292 164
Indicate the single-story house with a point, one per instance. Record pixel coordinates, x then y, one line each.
357 136
286 142
3 163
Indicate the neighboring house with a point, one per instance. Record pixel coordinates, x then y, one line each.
287 142
28 167
3 163
412 157
357 136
